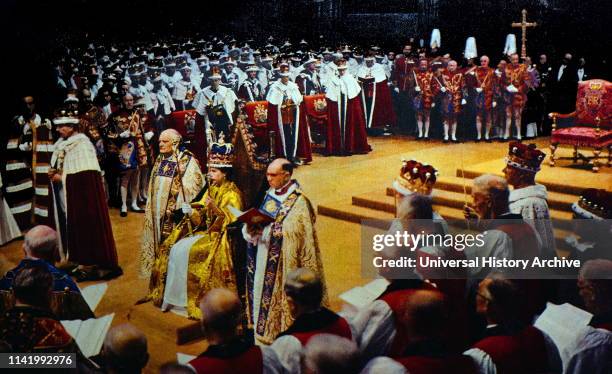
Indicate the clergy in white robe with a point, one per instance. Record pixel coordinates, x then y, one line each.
176 180
278 248
529 198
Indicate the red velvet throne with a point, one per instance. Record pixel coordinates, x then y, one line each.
593 123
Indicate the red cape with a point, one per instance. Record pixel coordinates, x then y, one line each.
355 137
304 150
88 229
383 107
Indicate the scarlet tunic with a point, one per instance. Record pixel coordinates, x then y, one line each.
484 76
423 99
452 94
518 77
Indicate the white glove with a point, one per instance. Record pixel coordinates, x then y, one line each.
148 135
186 208
512 89
494 104
478 89
125 134
443 89
463 102
25 147
417 89
433 105
396 89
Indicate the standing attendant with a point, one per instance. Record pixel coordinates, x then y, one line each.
78 196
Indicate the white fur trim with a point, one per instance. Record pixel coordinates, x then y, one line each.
585 213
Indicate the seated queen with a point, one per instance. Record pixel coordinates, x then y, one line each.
200 255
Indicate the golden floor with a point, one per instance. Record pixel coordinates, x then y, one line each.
327 179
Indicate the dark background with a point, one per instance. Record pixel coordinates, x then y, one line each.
34 29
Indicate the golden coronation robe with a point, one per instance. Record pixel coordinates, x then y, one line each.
288 243
187 268
164 197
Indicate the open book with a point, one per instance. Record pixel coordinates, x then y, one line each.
183 358
89 334
252 216
565 324
93 294
363 295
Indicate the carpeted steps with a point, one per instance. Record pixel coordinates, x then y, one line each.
449 200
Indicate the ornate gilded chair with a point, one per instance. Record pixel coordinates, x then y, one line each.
257 117
315 107
593 123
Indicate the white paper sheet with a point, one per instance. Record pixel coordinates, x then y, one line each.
183 358
363 295
93 294
565 324
89 334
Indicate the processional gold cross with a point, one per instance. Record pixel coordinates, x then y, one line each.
524 25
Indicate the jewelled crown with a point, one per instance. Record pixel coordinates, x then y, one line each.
221 154
525 156
594 204
66 117
415 177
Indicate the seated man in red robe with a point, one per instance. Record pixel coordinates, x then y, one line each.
304 291
508 344
227 351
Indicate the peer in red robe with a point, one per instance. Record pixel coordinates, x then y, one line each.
80 209
286 117
346 127
375 95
